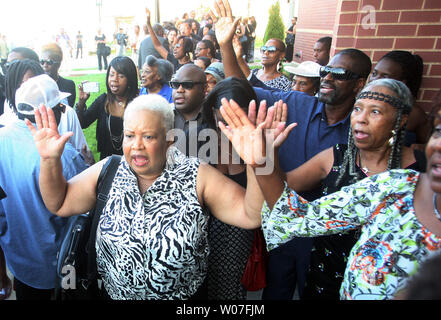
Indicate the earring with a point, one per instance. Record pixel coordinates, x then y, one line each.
392 139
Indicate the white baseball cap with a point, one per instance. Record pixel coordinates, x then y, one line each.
38 90
309 69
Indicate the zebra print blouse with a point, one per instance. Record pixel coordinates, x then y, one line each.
154 246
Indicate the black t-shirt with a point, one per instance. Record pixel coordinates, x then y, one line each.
66 85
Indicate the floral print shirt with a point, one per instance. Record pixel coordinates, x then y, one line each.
392 245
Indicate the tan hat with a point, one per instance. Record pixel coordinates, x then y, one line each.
309 69
38 90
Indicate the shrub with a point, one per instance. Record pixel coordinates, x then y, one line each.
275 27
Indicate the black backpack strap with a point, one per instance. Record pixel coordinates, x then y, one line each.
104 183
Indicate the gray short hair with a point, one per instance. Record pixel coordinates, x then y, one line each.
156 103
165 68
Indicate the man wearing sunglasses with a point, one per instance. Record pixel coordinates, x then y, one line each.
51 58
322 122
189 85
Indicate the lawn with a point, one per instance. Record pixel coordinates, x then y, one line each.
90 132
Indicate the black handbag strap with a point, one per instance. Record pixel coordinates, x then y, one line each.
104 183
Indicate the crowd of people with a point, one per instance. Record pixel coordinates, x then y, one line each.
348 209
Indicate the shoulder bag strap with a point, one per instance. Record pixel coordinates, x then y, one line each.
105 180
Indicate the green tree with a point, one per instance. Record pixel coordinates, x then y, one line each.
275 27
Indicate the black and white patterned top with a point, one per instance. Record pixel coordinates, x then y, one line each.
154 246
279 83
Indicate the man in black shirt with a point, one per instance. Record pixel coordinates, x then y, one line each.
51 58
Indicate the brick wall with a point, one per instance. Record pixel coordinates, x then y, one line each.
315 20
412 25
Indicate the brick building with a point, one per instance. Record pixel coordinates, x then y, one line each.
376 27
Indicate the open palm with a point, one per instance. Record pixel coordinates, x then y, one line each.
48 141
245 137
225 25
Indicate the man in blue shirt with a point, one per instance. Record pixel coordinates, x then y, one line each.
30 235
321 123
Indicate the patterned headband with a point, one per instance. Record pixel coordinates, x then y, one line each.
393 101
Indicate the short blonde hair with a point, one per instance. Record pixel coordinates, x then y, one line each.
54 50
156 103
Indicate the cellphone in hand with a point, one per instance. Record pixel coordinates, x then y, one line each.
91 86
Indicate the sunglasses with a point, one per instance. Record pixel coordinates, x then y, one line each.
338 73
48 62
270 49
187 85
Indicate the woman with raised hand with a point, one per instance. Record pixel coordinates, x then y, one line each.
152 237
181 52
230 246
395 211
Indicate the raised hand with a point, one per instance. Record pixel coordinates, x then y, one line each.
246 138
225 26
274 121
48 141
148 14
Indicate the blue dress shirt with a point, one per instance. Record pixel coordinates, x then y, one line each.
312 133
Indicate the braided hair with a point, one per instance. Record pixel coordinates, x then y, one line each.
403 102
14 77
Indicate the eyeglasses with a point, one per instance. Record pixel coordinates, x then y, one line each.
187 85
270 49
200 49
48 62
338 73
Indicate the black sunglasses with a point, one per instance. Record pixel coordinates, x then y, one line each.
187 85
338 73
48 62
270 49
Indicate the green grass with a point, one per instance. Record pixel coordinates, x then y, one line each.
90 132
